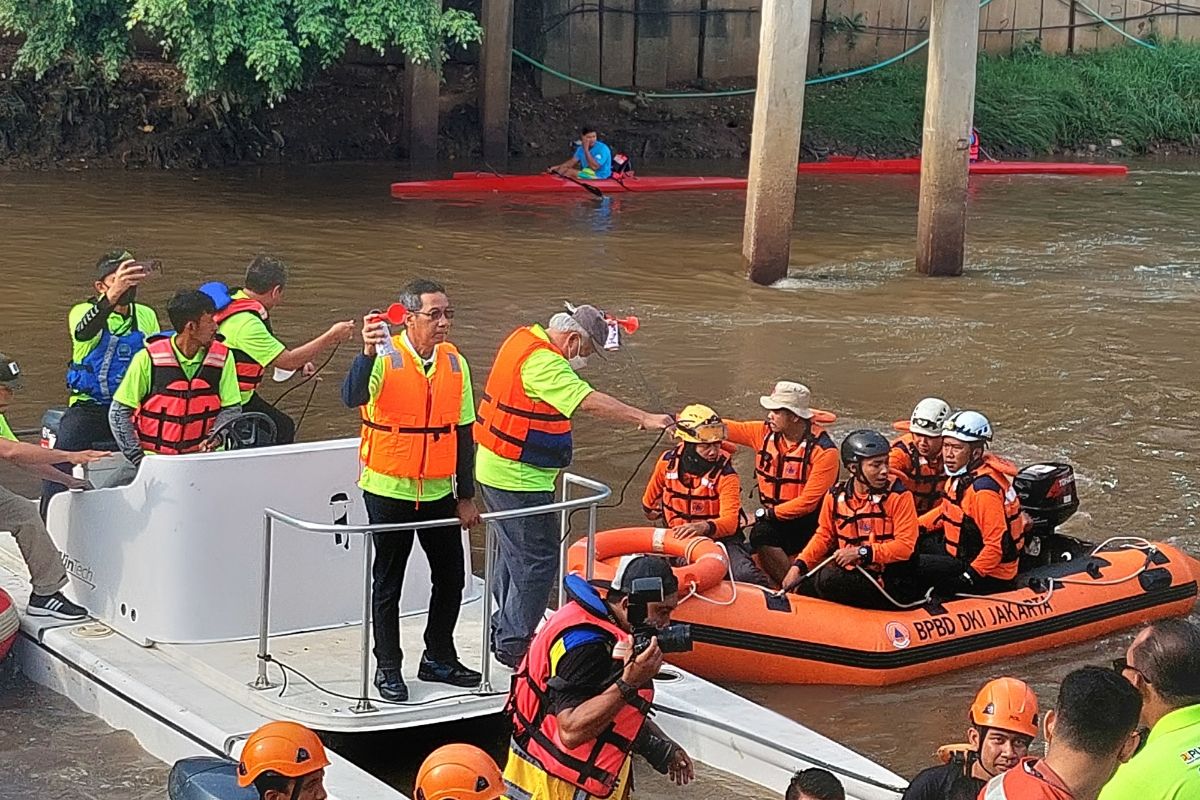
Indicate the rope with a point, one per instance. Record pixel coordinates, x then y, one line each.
732 584
840 76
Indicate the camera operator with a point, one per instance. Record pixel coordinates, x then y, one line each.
582 695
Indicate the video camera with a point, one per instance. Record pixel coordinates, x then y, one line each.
675 638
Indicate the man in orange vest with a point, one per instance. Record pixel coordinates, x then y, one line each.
524 437
979 514
869 522
245 324
179 388
796 463
417 454
1090 732
1004 723
916 457
694 490
581 697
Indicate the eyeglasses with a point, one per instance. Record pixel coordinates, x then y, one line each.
1119 665
436 314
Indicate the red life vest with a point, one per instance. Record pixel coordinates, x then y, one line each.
964 538
409 433
249 371
691 498
1028 780
973 154
923 478
592 766
512 424
179 413
782 473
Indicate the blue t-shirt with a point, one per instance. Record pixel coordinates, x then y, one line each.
601 154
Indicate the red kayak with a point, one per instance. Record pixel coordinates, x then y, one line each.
487 182
479 183
841 165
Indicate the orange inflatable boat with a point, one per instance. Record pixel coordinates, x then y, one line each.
1070 591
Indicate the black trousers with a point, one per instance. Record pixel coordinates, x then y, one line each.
944 573
285 427
791 535
852 588
84 426
443 548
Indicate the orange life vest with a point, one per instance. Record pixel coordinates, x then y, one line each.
1028 780
409 431
782 473
249 371
179 413
592 766
868 524
964 538
683 502
923 479
513 425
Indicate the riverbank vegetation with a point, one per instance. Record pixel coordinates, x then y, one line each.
1031 103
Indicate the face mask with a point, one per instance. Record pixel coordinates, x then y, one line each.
127 298
692 462
578 362
954 473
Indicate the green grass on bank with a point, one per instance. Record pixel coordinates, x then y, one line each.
1029 101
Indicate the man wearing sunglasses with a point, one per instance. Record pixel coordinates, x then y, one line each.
1163 664
418 458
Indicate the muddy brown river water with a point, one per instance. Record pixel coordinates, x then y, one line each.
1075 330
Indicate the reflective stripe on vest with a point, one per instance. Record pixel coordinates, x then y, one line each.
593 766
681 502
513 425
869 524
98 374
923 479
964 538
249 371
782 474
408 431
179 413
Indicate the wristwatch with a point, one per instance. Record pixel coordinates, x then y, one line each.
864 553
628 692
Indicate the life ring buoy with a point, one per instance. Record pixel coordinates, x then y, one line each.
10 623
706 564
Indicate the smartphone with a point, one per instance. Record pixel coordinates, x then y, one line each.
153 266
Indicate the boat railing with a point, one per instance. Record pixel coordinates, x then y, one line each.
596 493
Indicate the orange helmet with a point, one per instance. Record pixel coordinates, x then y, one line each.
459 772
285 748
1007 704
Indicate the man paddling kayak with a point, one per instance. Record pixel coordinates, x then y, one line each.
592 159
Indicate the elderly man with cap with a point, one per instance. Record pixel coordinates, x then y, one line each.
20 517
524 434
796 463
107 331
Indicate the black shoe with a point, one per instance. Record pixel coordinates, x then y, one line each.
512 662
55 605
452 672
391 685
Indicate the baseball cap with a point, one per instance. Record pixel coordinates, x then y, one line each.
632 568
10 373
110 261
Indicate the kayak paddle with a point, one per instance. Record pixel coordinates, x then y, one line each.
595 190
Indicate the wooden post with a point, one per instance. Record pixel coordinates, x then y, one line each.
949 106
421 83
495 79
775 138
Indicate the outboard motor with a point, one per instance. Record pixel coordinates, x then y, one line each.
207 778
1048 495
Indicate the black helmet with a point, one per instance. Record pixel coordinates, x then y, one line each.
863 444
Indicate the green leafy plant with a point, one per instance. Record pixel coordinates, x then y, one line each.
251 50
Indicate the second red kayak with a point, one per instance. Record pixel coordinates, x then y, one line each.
912 166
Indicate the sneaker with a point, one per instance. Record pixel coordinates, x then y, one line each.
452 672
391 685
55 605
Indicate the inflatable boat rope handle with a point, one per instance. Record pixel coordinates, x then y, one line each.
732 583
781 591
914 604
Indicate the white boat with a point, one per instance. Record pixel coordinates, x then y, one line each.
229 588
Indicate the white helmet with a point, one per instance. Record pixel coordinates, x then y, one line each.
928 416
967 426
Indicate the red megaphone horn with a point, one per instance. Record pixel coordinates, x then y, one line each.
395 314
628 324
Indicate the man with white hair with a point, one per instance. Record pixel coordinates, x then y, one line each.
523 429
